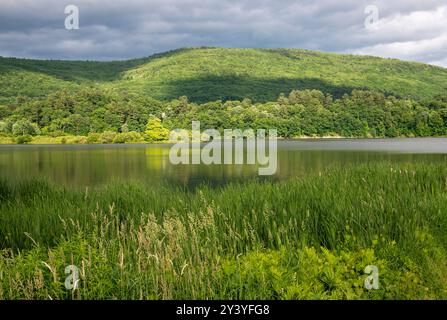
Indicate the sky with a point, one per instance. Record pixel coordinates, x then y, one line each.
114 30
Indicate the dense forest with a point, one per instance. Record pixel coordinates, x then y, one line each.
210 74
298 92
100 116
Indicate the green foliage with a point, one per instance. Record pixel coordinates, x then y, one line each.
6 126
3 127
208 74
128 137
304 238
79 140
23 139
301 113
124 128
76 124
93 137
4 112
25 127
46 279
408 99
120 138
108 137
309 273
155 130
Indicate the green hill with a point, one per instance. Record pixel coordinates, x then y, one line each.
205 74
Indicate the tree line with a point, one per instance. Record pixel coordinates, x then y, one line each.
106 117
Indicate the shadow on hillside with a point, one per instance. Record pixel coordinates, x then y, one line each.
78 71
225 88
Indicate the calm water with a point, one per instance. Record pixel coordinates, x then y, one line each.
89 165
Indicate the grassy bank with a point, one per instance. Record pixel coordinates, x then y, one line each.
67 139
300 239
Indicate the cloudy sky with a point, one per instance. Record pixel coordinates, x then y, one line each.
406 29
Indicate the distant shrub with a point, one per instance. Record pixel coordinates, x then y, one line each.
125 128
120 138
93 137
80 140
108 136
127 137
6 126
4 112
54 134
134 136
25 127
3 127
64 140
155 130
24 139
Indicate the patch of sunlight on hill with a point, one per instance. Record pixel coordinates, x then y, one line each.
205 74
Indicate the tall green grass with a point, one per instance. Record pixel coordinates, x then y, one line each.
301 238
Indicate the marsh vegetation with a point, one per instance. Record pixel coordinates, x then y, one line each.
296 239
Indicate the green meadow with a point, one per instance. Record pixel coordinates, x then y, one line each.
302 238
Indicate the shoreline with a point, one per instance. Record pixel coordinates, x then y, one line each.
75 140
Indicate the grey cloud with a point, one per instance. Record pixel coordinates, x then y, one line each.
135 28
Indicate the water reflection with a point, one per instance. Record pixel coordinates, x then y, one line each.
89 165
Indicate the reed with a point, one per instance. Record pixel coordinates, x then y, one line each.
297 239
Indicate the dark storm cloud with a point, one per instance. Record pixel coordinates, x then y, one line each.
414 30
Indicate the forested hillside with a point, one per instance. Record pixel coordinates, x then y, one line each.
208 74
300 93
